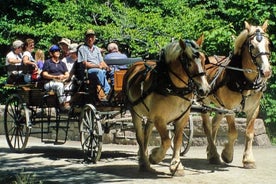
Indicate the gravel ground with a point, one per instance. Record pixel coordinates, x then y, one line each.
64 164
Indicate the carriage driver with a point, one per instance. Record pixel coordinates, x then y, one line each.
56 72
92 59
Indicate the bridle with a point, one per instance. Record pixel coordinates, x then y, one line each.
185 62
259 37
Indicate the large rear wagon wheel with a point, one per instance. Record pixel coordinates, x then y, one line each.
188 133
15 118
90 134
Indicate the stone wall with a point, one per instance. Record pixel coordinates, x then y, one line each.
116 135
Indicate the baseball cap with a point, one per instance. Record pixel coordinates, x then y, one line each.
17 43
90 32
54 48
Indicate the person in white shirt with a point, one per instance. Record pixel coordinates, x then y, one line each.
70 61
28 59
14 57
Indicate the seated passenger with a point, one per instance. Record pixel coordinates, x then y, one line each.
55 73
70 62
39 58
114 53
14 58
91 57
28 59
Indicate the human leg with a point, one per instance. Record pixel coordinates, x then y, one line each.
58 88
99 75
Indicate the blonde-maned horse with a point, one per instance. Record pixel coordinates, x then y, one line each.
161 92
238 84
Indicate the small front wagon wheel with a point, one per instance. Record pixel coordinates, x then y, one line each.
90 134
15 118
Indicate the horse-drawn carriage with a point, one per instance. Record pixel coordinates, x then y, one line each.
31 110
156 94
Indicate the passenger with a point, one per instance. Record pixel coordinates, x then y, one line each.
114 53
64 45
92 59
70 61
14 57
56 72
28 59
39 58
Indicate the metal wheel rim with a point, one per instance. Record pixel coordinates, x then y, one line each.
16 130
91 136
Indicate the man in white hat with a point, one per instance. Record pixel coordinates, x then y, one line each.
64 45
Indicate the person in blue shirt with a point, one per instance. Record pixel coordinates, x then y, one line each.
91 57
114 53
55 73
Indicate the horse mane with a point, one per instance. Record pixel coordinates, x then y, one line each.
173 50
239 41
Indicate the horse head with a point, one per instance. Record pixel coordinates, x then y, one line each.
192 64
256 47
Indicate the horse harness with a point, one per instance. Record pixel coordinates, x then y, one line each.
235 79
162 83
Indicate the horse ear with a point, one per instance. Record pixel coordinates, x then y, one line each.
182 44
200 40
265 25
247 25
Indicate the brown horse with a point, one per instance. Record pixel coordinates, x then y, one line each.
238 83
161 92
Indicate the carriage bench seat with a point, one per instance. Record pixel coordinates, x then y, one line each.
118 79
34 96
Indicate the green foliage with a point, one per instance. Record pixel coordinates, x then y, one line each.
143 25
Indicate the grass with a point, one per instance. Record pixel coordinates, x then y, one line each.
21 178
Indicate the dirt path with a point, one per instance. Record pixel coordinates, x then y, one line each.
63 164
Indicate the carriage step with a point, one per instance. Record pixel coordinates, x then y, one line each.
53 142
39 132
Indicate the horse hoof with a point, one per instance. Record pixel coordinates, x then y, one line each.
178 173
225 159
215 161
249 165
152 161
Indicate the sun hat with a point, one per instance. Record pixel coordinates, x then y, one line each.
17 43
73 48
90 32
65 41
54 48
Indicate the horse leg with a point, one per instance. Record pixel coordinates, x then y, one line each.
144 164
147 133
212 153
248 157
228 151
158 153
176 167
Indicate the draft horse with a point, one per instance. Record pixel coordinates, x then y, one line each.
237 84
161 92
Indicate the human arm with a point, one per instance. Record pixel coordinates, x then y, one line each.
13 61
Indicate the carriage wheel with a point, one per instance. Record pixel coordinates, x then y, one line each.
187 137
90 134
15 118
